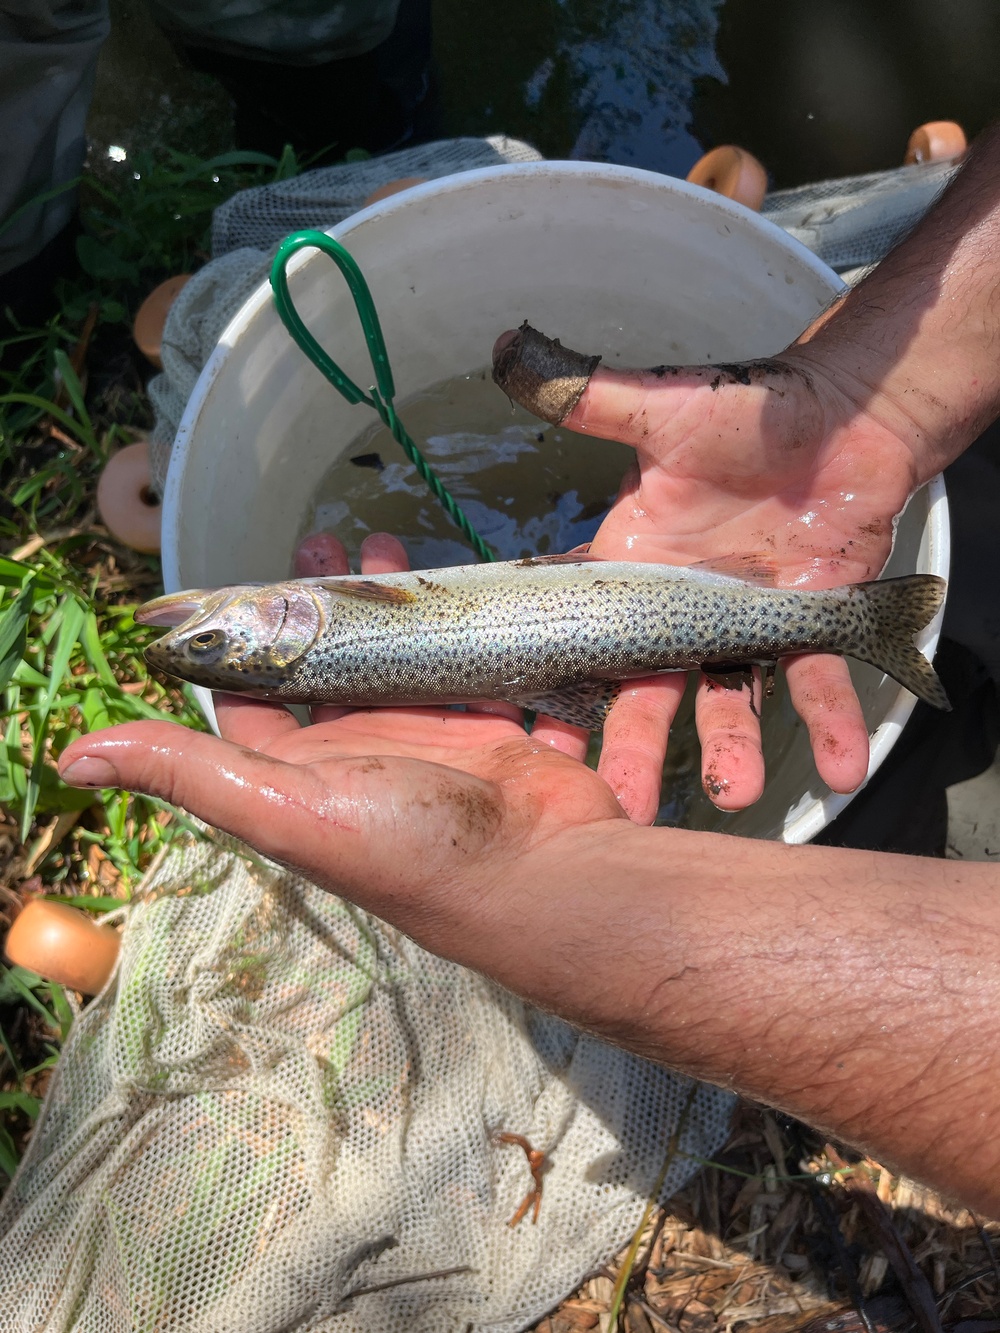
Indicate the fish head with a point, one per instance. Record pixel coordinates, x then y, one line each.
241 638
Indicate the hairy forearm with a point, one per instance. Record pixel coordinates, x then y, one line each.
916 343
855 990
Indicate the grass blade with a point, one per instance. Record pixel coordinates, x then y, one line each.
14 630
84 434
74 391
8 1153
85 902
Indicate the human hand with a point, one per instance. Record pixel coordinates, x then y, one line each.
770 464
432 818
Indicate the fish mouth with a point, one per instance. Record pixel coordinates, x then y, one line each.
175 609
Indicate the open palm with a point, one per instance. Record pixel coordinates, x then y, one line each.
771 471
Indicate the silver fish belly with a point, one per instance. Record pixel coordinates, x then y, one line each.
556 634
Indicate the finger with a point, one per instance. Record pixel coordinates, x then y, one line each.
381 553
497 708
320 555
254 723
574 741
732 762
824 697
569 388
270 804
635 742
644 407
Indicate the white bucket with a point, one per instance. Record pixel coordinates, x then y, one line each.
641 268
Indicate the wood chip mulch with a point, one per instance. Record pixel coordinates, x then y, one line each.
806 1239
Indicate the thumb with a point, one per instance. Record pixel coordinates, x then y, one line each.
263 801
643 408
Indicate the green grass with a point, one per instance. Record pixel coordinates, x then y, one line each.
70 652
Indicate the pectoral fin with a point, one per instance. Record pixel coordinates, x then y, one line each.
584 705
578 556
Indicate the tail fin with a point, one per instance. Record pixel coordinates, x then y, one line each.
897 610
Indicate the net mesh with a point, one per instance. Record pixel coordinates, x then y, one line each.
283 1114
851 223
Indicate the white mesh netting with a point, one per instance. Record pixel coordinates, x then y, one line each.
282 1114
852 222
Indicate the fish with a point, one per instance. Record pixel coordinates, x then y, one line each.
554 634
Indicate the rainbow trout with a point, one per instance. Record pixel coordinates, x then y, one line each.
554 634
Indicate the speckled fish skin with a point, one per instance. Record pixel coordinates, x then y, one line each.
547 633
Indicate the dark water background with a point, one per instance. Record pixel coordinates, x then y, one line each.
815 88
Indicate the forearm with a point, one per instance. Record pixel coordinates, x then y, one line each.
916 342
857 991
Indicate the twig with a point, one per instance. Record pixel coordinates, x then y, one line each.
537 1165
34 544
403 1281
654 1314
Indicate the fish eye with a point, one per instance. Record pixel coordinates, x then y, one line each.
206 641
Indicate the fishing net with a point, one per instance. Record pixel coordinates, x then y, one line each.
851 223
281 1114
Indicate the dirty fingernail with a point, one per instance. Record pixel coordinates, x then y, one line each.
90 771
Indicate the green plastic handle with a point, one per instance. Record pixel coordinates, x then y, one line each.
365 306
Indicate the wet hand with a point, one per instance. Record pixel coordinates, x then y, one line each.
768 463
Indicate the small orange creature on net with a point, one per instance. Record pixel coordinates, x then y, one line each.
537 1164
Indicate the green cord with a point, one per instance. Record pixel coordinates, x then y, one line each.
380 397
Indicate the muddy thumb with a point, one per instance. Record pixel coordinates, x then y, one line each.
570 389
250 795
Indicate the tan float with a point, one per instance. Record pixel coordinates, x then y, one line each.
936 141
733 172
152 315
128 508
63 944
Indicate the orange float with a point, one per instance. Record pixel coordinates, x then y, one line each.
128 508
733 172
63 944
393 187
152 315
936 141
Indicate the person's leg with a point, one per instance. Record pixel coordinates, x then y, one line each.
324 77
48 53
